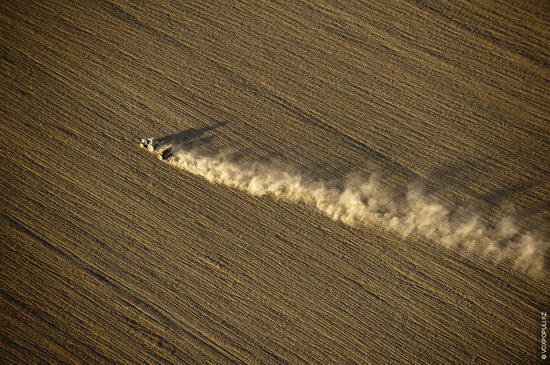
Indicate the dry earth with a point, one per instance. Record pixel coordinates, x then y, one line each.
110 256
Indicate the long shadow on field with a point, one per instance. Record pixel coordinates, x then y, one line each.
455 181
191 137
453 175
526 205
499 196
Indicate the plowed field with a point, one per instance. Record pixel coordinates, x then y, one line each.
109 255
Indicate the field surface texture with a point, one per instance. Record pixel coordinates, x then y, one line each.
353 182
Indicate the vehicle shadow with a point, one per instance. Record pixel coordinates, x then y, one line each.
190 138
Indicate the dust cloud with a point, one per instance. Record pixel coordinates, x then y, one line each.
363 203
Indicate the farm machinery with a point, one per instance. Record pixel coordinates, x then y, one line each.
152 145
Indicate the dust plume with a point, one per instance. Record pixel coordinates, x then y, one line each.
364 203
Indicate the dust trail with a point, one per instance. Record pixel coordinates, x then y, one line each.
364 203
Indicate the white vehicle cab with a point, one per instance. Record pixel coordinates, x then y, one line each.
153 146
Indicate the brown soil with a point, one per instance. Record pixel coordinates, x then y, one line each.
109 255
